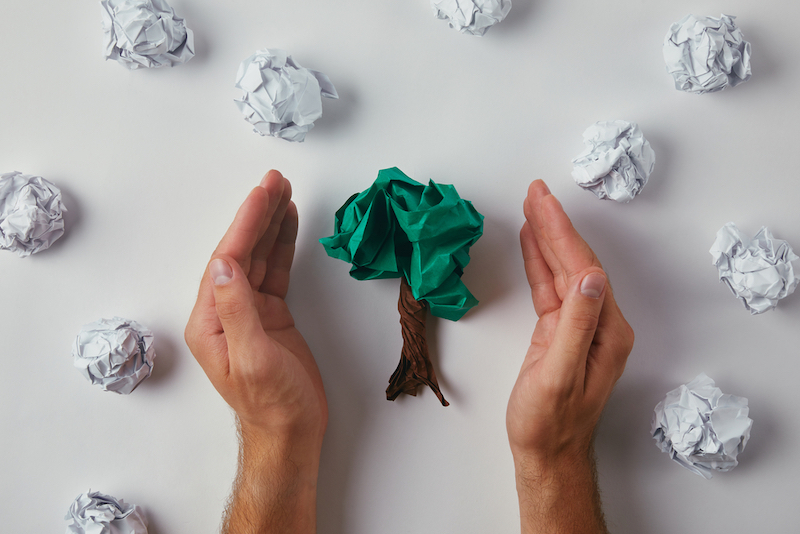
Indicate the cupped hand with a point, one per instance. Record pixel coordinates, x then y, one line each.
243 335
580 343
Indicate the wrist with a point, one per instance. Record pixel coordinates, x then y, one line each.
552 467
276 485
284 454
558 493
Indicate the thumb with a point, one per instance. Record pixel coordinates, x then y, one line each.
234 302
577 322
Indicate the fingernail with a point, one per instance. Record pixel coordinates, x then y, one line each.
592 285
221 273
546 188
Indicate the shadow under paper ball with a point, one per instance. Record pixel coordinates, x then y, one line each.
518 19
337 114
166 358
196 22
658 182
72 217
764 436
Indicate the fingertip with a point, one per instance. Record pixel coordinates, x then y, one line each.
553 214
291 210
288 230
550 203
538 189
593 284
259 194
287 187
220 271
540 186
526 236
271 176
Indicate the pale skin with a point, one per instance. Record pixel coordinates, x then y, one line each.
243 335
577 353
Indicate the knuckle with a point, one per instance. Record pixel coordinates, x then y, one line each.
189 336
584 321
628 337
230 310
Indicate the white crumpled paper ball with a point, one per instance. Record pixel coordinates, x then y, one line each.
758 271
31 213
617 161
95 513
115 354
145 33
701 428
471 16
706 54
281 98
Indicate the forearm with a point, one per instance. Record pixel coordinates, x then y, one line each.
559 496
275 489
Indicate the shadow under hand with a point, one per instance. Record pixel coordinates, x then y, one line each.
620 437
489 274
329 330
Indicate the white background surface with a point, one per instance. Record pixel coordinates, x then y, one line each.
153 165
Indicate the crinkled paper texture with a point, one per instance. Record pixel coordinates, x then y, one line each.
399 227
31 213
617 160
471 16
758 271
281 98
706 54
701 428
116 354
145 33
96 513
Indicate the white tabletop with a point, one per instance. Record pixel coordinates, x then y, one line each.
153 165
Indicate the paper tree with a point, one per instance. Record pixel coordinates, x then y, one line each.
399 228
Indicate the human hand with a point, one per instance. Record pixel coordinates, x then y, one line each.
243 335
579 346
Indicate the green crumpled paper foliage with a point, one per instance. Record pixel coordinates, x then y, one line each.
399 227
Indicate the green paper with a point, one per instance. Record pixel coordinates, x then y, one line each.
399 227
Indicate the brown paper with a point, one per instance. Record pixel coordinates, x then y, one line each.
415 367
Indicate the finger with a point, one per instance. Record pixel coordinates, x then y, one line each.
575 331
202 334
263 248
237 242
573 254
279 262
613 344
537 191
245 230
234 304
540 278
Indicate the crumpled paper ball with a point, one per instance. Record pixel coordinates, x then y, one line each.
281 98
616 162
115 354
145 33
31 213
758 271
706 54
701 428
471 16
96 513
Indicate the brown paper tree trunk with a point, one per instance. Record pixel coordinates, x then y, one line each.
415 367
